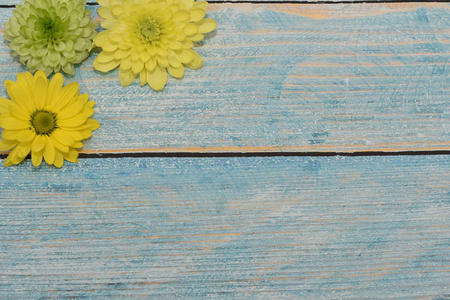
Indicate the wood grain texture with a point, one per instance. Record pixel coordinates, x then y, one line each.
279 78
14 2
307 228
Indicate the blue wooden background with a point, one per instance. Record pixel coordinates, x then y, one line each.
305 78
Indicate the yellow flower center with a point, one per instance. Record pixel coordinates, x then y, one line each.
43 122
148 30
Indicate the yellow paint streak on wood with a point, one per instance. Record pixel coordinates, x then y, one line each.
340 11
156 237
356 148
364 64
297 32
346 76
315 42
348 54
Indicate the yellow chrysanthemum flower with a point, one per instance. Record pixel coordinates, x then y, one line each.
151 38
44 118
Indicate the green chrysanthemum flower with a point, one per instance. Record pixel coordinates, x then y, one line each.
51 35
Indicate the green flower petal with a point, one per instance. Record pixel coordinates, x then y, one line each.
51 35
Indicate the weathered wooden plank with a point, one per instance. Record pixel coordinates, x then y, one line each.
326 227
289 78
14 2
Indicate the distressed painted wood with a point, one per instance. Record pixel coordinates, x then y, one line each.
276 78
316 228
288 78
14 2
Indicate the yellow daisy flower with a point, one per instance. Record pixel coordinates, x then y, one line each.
44 118
151 38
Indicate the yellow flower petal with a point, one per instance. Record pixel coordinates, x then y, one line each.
187 3
206 25
105 12
4 105
25 149
71 110
117 10
73 121
82 133
25 135
174 60
161 50
12 123
34 120
201 4
59 159
197 14
10 134
109 45
39 74
103 2
162 61
149 37
63 138
186 56
84 98
137 67
6 145
20 96
14 156
58 146
180 36
143 77
190 28
197 61
121 54
54 88
175 45
25 82
49 151
67 94
7 162
86 133
176 72
71 156
108 24
17 112
77 145
157 78
18 154
126 77
87 111
40 91
105 57
151 64
36 158
197 37
116 37
92 124
181 16
106 67
101 38
144 56
30 80
134 55
38 143
75 134
126 63
188 44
